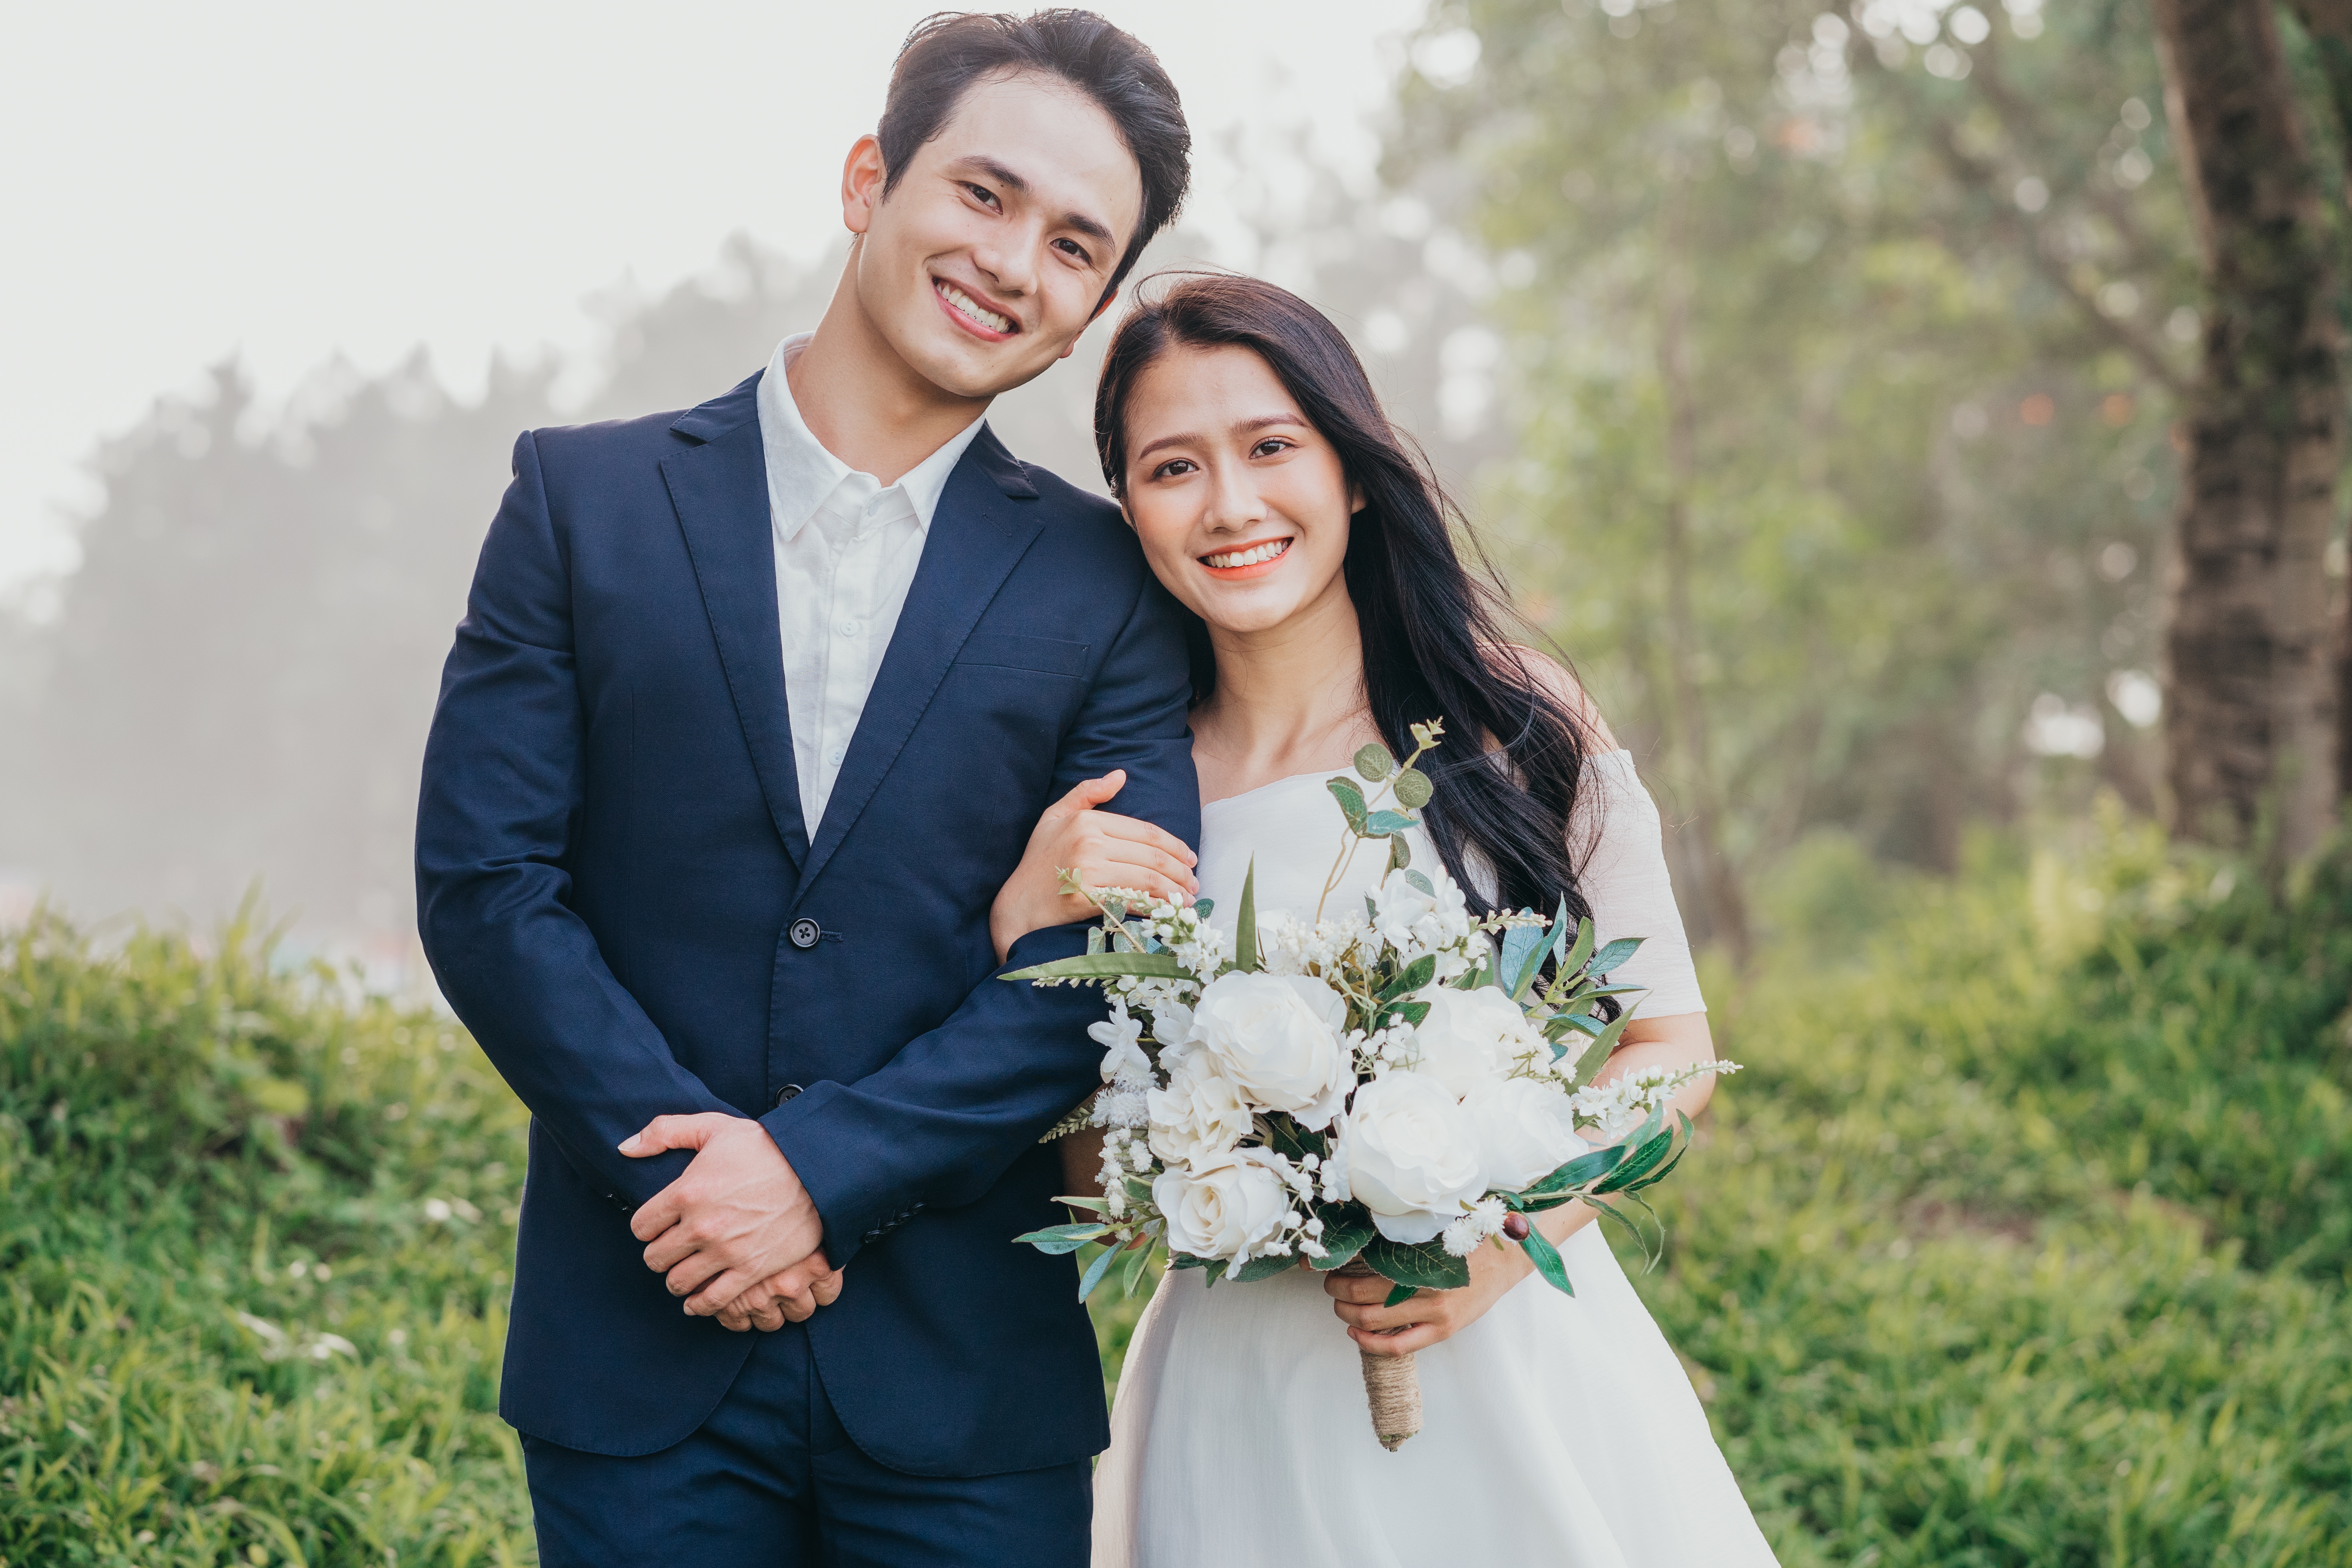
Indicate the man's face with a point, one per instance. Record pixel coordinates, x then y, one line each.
986 262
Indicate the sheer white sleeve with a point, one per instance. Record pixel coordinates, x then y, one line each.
1623 873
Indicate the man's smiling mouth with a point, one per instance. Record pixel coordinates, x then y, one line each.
1255 555
973 310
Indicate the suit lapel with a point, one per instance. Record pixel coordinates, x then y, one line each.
721 490
980 530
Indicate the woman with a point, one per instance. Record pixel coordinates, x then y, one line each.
1273 500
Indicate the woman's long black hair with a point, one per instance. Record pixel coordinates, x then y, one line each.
1433 629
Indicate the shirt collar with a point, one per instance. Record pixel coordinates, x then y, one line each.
802 476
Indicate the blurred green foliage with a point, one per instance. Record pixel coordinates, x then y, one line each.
1846 376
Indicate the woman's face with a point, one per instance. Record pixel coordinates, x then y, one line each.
1241 505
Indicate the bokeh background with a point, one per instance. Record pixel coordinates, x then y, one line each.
1922 423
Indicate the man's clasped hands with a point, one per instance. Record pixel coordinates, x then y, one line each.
737 1236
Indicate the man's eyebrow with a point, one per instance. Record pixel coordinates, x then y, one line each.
980 162
1242 428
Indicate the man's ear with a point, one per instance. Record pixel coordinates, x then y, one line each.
1102 305
861 175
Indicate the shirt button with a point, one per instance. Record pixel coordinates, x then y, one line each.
832 758
805 933
850 628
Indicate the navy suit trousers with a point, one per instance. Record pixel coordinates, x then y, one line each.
773 1480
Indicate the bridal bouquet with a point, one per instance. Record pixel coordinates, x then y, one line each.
1384 1089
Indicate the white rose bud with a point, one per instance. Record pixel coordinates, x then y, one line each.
1411 1155
1470 1037
1224 1210
1524 1129
1199 1115
1276 1037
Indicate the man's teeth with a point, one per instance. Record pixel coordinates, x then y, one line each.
1251 557
974 308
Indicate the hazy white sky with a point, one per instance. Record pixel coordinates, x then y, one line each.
282 182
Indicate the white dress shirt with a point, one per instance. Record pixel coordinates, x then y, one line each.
846 549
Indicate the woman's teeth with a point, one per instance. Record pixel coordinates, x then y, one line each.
972 308
1249 557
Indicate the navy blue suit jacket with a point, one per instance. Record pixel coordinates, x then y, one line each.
611 869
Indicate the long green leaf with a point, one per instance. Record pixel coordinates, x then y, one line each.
1246 924
1398 1295
1133 1272
1645 1158
1411 978
1596 1055
1103 967
1573 959
1546 1259
1258 1268
1096 1270
1606 961
1579 1171
1057 1239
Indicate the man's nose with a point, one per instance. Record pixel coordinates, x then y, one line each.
1011 263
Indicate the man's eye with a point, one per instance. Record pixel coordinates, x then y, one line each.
1075 251
986 198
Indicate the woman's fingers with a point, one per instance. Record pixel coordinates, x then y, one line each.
1133 827
1420 1337
1086 795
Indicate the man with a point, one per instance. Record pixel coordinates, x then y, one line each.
751 715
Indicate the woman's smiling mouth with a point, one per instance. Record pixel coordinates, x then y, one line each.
1232 563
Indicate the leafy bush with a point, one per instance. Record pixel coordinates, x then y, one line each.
2022 1240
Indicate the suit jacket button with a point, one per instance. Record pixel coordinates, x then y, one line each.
788 1091
805 932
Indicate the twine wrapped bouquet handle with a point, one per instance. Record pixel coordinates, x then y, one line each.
1392 1382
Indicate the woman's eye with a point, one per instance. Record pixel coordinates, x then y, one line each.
1269 447
1173 467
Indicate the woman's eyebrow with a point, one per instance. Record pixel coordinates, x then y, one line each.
1240 427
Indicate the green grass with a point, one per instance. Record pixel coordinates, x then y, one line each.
2022 1241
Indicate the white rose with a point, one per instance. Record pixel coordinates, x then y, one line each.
1411 1154
1525 1131
1276 1037
1470 1037
1224 1210
1199 1116
1416 921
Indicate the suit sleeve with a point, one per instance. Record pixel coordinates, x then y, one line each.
943 1119
502 792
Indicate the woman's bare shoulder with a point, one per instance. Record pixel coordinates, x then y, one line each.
1558 680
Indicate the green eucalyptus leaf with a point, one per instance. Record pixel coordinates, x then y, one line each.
1414 789
1411 978
1350 799
1401 853
1258 1268
1375 763
1421 884
1381 823
1205 908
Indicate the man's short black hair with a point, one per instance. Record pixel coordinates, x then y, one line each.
946 53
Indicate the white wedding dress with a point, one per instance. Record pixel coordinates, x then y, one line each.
1554 1430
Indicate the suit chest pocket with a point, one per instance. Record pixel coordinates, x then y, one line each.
1033 656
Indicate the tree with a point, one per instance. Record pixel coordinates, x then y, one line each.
2251 727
